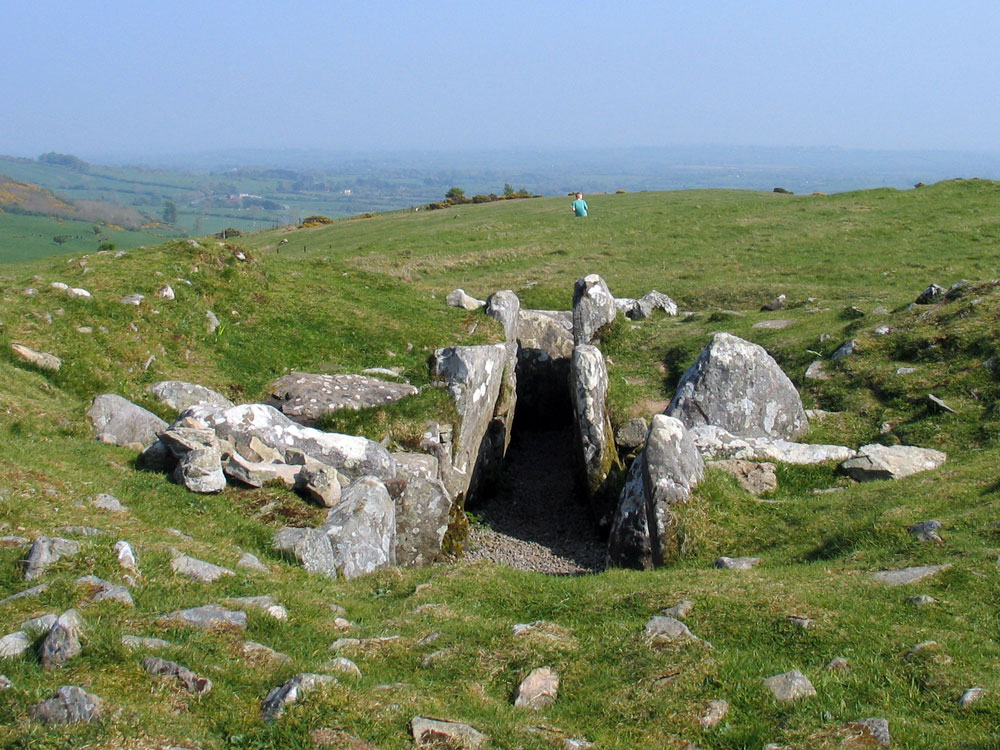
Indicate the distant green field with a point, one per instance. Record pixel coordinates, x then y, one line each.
29 237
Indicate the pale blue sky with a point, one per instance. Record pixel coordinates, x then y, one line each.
137 77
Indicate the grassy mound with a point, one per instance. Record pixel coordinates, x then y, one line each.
370 292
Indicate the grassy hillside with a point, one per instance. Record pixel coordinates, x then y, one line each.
370 292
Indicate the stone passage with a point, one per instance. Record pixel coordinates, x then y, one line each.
538 519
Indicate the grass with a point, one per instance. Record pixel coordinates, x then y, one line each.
370 292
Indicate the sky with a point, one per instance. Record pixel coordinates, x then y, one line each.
137 77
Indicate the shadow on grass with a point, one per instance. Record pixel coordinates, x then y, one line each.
831 548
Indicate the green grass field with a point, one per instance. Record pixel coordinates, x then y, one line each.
366 292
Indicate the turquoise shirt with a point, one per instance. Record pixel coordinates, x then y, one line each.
580 207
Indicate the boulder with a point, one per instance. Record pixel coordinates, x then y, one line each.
874 462
643 534
120 422
715 443
199 458
736 385
240 425
179 395
306 397
422 515
594 435
458 298
362 528
594 309
475 378
41 360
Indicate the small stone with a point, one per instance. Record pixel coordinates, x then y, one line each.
63 641
906 576
575 743
970 696
341 624
133 299
778 303
5 684
41 360
802 622
433 733
278 699
539 689
736 563
192 683
136 642
715 713
109 502
790 686
680 610
46 551
126 557
921 600
106 591
867 731
14 644
845 350
816 371
255 650
33 591
663 629
839 664
198 570
938 404
70 704
927 650
265 604
905 370
343 665
926 531
38 626
205 617
251 562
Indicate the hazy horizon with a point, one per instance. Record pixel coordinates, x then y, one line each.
106 79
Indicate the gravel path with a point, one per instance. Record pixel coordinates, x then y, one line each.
538 521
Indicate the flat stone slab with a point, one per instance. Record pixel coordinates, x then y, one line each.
773 325
736 563
904 576
306 397
875 462
205 617
434 733
41 360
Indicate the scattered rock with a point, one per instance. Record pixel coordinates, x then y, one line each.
41 360
458 298
126 557
133 299
790 686
776 324
136 642
806 623
663 629
927 531
69 705
930 295
38 626
260 652
199 458
939 405
14 644
757 478
33 591
63 640
714 713
778 303
838 664
905 370
266 604
251 562
102 590
882 331
211 321
343 665
191 682
866 731
278 699
319 484
46 551
434 733
816 371
680 610
970 696
905 576
104 501
206 617
921 600
258 474
736 563
198 570
877 462
538 690
5 684
845 350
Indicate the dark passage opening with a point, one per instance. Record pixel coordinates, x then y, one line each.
538 519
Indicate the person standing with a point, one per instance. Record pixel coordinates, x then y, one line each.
579 206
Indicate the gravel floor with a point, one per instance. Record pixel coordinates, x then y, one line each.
537 521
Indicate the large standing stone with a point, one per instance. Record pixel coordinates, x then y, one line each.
738 386
306 397
179 395
474 376
505 307
362 528
120 422
875 462
70 704
663 475
594 309
422 512
595 437
240 425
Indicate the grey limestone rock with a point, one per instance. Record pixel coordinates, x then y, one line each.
258 473
716 443
845 350
434 733
41 360
310 547
632 434
33 591
136 642
505 307
362 528
278 699
594 309
102 591
458 298
305 397
790 686
63 640
199 458
680 610
594 434
906 576
250 561
643 534
538 690
714 713
46 551
664 629
189 680
736 385
930 295
120 422
422 515
756 477
736 563
179 395
927 531
970 696
104 501
876 462
775 324
38 626
320 485
872 730
69 705
817 371
206 617
5 683
343 665
14 644
266 604
198 570
651 301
